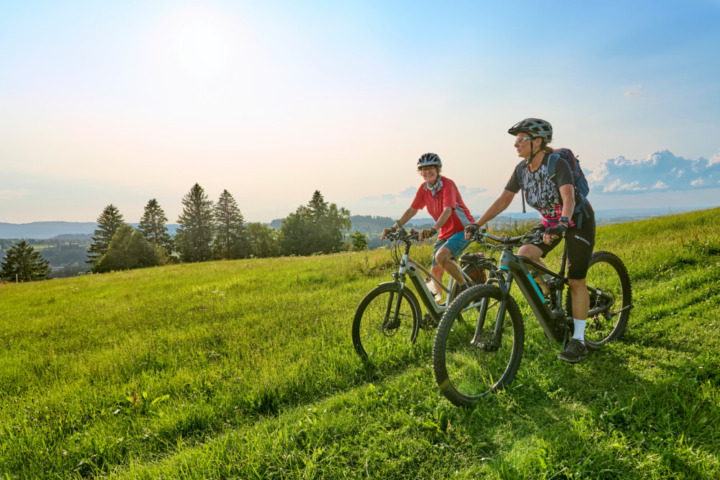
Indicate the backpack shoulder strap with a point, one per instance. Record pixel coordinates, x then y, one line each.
519 177
552 163
519 173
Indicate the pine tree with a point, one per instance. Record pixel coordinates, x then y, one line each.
193 238
230 241
23 263
108 223
152 225
359 241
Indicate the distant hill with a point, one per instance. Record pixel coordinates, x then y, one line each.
44 230
364 223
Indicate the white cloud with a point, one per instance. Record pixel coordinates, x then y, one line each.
659 171
618 186
634 91
407 194
471 192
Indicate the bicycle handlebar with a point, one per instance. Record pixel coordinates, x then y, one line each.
482 234
402 235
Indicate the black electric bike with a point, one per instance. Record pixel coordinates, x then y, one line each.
479 342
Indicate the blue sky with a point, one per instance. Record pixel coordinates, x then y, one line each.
121 102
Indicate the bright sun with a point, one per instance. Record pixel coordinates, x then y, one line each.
201 49
200 40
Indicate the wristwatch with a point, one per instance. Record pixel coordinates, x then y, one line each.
564 220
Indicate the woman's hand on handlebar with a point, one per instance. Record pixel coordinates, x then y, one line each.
553 233
471 231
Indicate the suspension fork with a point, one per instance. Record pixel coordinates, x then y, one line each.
482 312
399 278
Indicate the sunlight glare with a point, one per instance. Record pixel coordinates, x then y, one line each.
202 41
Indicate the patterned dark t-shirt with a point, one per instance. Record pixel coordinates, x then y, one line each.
542 192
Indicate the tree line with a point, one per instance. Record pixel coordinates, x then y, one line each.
207 231
213 231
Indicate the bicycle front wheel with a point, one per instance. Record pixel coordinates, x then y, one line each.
385 320
478 345
610 299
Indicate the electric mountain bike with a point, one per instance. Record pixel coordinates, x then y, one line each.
389 316
479 343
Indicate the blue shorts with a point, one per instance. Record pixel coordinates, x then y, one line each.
456 243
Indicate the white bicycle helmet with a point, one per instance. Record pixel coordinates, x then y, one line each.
535 127
429 159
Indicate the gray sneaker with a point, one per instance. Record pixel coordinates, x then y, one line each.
575 351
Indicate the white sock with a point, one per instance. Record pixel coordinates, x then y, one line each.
579 333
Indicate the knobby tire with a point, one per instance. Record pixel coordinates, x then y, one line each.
608 274
464 372
376 330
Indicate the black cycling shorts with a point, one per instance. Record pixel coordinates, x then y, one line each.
580 243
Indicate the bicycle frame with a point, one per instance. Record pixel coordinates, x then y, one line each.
515 269
417 273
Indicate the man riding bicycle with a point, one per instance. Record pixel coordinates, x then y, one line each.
555 197
445 205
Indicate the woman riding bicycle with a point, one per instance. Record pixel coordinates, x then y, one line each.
555 198
443 202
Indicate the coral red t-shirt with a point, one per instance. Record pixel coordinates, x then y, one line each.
435 200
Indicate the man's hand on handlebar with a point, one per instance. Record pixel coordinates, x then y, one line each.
426 233
386 231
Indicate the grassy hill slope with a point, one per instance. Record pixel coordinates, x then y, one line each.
245 369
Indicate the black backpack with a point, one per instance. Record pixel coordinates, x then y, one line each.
580 182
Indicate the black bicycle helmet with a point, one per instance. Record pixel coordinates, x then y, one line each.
534 127
429 159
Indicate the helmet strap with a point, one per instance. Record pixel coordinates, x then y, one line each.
532 153
530 159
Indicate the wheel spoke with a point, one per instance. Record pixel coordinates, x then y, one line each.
467 371
382 326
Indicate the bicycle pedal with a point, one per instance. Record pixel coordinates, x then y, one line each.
428 322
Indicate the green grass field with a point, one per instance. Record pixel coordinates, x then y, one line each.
245 369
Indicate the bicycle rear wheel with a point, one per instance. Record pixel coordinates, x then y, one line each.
468 366
381 325
610 299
